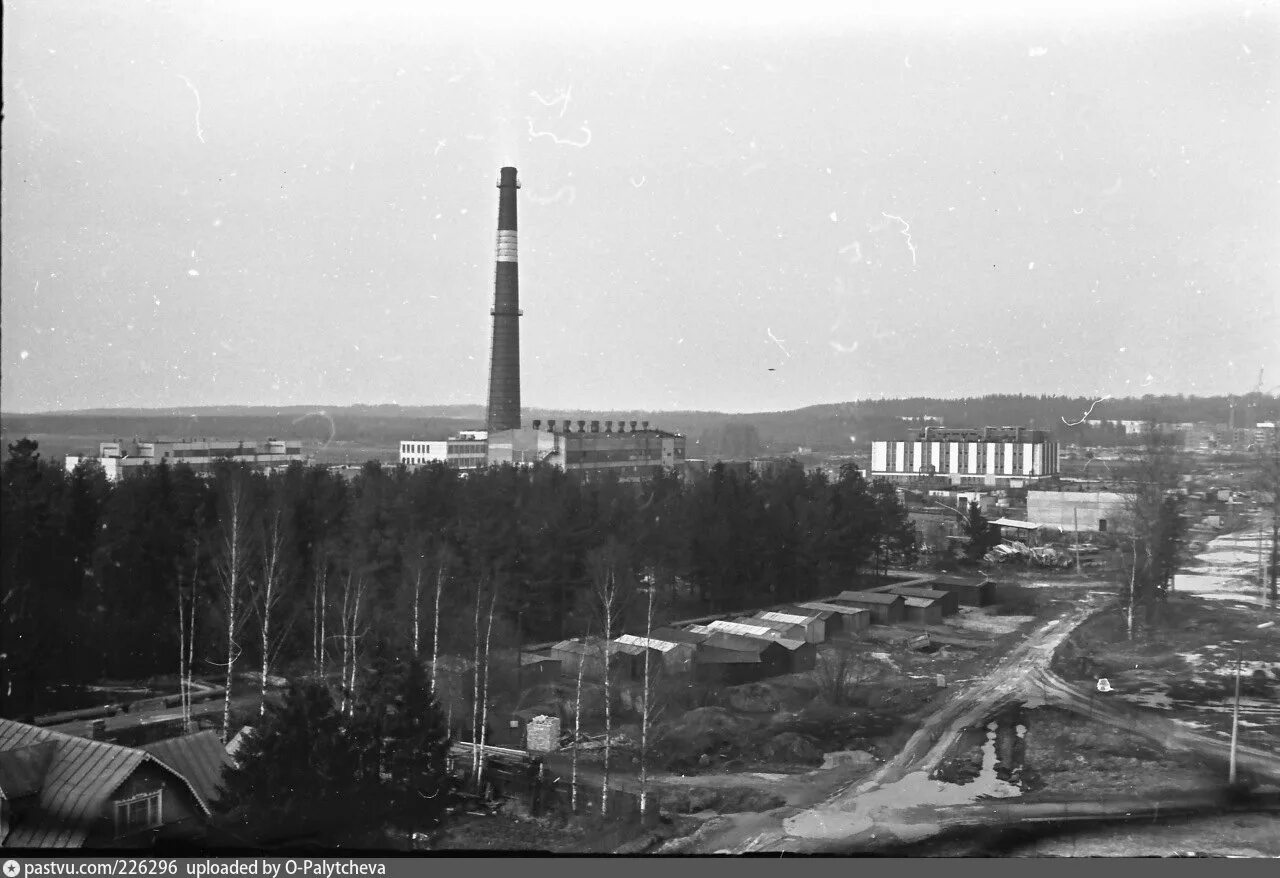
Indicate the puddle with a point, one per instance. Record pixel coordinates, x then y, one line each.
991 757
1227 569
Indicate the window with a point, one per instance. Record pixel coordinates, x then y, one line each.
138 813
1102 525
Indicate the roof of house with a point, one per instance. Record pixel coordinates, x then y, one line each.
868 597
619 646
79 779
578 647
200 758
22 771
959 580
921 602
534 658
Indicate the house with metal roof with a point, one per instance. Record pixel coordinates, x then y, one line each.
971 592
61 791
885 609
200 758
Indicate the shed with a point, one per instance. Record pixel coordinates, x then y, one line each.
789 630
773 656
948 601
885 609
728 667
969 591
813 623
537 669
572 654
629 657
923 611
844 619
673 656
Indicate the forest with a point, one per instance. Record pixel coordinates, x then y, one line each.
307 571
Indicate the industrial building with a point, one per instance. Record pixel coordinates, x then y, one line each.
1091 511
467 450
996 456
631 451
119 459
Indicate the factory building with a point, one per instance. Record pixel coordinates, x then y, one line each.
996 456
1088 511
468 450
118 459
632 451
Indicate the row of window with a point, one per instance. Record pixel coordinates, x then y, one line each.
965 462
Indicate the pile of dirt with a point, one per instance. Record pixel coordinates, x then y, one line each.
725 800
793 748
753 698
702 737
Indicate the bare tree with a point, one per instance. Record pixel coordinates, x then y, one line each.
839 674
320 606
270 591
484 697
577 730
186 639
442 564
646 705
232 564
1154 522
351 635
609 584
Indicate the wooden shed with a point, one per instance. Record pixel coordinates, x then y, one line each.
672 656
885 609
574 653
969 591
844 619
947 600
788 630
923 611
811 621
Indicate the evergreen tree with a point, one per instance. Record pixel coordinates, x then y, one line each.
982 535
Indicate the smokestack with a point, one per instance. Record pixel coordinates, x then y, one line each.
504 362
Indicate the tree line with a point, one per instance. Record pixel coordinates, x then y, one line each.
304 571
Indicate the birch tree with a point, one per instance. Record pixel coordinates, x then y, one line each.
484 697
232 566
269 596
352 600
609 587
645 704
577 730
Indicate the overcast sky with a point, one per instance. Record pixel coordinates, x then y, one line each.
294 203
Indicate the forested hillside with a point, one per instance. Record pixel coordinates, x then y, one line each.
314 569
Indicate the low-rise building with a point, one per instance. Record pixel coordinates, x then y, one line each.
885 609
119 459
1091 511
468 450
844 619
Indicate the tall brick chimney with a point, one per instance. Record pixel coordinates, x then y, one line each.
504 356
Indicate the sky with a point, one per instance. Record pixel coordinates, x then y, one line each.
737 207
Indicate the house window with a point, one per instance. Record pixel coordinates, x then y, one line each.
1102 525
138 813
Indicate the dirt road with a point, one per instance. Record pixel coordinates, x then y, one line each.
891 801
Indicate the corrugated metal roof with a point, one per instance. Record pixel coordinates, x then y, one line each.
788 618
200 758
920 602
811 610
740 628
616 647
81 777
868 597
675 635
650 642
842 609
1014 523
